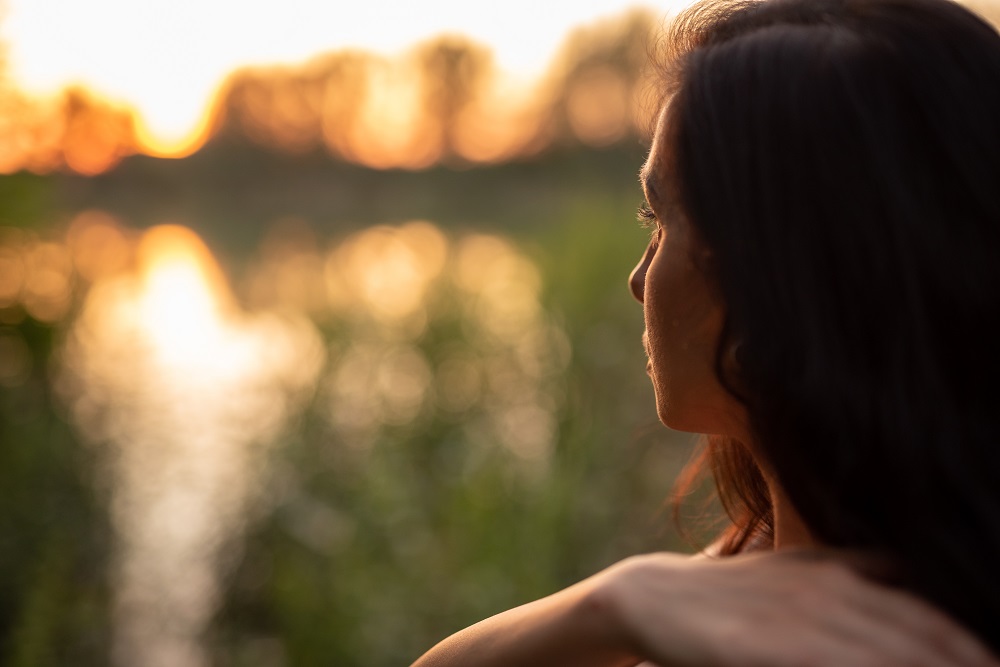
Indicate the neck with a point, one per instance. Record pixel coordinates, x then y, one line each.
790 530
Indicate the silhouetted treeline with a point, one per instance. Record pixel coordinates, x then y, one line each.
443 102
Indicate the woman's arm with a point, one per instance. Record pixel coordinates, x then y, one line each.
572 628
773 610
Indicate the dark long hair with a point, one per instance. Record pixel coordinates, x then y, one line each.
840 159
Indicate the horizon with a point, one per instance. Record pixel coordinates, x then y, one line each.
172 93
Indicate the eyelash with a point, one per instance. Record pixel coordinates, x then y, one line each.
646 218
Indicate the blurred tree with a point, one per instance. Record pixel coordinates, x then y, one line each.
73 130
345 85
455 70
277 107
95 135
358 105
598 82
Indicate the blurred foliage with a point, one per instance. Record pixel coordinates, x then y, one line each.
359 560
25 200
54 535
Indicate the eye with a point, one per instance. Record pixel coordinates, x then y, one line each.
647 219
645 216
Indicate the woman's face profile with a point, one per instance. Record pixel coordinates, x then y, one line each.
683 314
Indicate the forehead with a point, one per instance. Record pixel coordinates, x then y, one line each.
654 169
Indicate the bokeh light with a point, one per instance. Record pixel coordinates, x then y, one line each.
183 394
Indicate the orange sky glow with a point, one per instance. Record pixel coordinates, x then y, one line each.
164 60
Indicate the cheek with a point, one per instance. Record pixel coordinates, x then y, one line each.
678 308
683 322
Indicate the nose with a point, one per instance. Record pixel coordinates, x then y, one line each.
637 279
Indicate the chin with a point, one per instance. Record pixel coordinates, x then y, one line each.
670 421
677 418
668 415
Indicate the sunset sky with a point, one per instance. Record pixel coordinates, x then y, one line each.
167 57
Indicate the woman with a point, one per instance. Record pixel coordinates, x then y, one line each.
821 295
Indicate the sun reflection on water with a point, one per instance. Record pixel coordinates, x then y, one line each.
185 394
182 299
